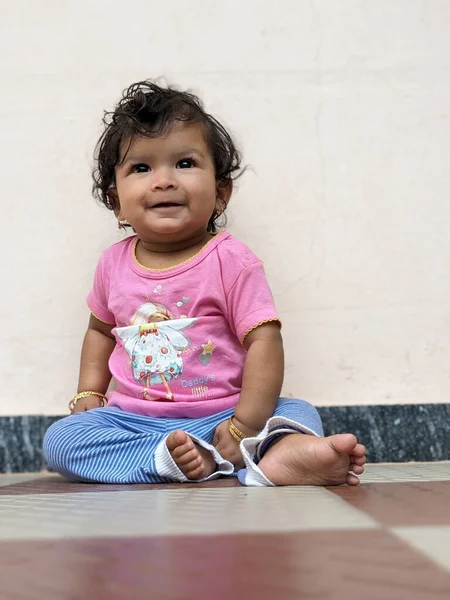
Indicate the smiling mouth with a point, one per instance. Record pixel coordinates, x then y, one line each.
166 205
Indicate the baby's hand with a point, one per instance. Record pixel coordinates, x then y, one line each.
227 446
87 403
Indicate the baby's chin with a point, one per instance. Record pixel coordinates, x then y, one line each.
167 225
169 230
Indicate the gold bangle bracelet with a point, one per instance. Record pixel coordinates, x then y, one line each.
235 432
81 395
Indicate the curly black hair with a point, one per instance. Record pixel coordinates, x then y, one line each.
148 109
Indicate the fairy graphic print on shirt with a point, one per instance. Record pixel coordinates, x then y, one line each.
154 343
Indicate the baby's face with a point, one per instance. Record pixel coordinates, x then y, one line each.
167 185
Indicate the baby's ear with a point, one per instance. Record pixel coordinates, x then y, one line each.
223 194
113 198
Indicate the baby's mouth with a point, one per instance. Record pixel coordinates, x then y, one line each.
166 205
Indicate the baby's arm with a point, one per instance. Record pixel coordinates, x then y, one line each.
262 378
261 386
94 371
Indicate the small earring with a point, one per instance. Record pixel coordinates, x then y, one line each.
122 224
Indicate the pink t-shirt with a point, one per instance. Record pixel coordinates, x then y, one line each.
179 331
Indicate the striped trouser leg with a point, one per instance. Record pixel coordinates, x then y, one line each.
108 445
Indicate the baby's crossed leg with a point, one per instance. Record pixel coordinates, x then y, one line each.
107 445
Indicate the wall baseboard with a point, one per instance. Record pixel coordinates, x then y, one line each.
395 433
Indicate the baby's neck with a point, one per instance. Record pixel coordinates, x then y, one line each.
164 255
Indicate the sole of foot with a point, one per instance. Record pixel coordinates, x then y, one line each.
299 459
193 461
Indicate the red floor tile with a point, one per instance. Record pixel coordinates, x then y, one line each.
345 565
401 504
58 485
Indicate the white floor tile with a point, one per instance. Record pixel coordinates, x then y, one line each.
400 472
434 542
13 478
176 512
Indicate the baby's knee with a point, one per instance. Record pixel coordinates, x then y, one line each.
58 438
294 404
301 412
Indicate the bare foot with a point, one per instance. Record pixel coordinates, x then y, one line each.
193 461
299 459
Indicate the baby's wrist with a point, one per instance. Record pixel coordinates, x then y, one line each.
88 396
246 428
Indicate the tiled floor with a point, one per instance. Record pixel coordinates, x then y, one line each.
387 539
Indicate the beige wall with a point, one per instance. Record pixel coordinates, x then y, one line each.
342 108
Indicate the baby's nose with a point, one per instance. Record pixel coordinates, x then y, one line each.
162 180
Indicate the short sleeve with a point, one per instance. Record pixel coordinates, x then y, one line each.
250 301
97 299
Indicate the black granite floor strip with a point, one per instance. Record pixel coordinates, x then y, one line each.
398 433
21 443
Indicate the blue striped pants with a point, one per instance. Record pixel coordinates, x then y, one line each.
108 445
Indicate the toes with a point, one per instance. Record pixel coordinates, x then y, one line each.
343 442
357 469
358 460
352 479
195 472
359 450
183 451
191 469
183 455
193 461
176 438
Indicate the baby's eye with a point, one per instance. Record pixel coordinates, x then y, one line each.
186 163
140 168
